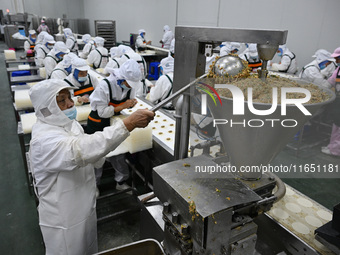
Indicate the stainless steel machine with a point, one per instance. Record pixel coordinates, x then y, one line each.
214 213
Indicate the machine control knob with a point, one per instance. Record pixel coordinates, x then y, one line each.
174 217
166 207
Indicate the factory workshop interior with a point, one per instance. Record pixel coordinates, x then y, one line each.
187 127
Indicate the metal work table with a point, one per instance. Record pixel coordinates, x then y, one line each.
22 79
158 49
14 69
31 61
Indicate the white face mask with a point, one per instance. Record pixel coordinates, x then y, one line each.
82 79
71 113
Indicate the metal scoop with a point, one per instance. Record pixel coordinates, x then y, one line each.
229 64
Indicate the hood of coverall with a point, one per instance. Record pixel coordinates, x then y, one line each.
141 31
129 71
48 39
167 64
41 36
44 99
322 55
140 60
67 32
67 60
60 47
79 64
125 49
166 28
230 46
32 32
283 48
99 41
115 52
235 46
86 38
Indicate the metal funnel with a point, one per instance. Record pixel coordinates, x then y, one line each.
255 146
266 51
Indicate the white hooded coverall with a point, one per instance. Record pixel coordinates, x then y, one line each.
98 57
41 51
71 42
163 86
167 37
140 41
312 73
62 162
59 72
87 49
288 63
29 45
51 60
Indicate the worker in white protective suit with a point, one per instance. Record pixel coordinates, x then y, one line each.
30 43
63 68
71 41
88 47
116 53
141 41
333 148
252 57
54 57
114 94
62 162
229 48
288 63
82 82
167 37
114 60
320 69
144 87
43 49
163 87
99 57
122 53
40 39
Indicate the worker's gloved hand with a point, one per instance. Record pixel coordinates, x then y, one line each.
129 103
138 119
83 99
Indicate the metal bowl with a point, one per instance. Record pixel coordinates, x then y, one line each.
229 64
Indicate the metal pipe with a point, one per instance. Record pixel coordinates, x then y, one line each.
179 92
178 117
185 127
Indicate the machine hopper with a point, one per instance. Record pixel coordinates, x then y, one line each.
252 140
